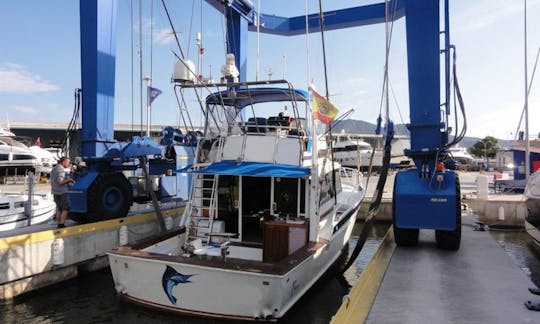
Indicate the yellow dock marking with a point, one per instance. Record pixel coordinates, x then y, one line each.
357 304
51 234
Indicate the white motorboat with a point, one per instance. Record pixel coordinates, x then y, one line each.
17 210
352 150
269 212
15 157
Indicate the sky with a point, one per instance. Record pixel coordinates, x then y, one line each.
40 59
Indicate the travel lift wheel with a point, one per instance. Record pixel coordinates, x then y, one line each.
403 236
109 197
450 240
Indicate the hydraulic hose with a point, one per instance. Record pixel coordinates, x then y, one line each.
376 199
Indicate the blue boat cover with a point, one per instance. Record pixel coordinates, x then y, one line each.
256 169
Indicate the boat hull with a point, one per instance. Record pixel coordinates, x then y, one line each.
15 216
223 293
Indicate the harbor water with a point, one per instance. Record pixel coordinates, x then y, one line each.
91 297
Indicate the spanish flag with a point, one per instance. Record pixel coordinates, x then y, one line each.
323 109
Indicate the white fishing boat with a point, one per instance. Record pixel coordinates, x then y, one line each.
269 213
17 210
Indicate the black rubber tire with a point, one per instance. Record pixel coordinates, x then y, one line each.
451 240
402 236
109 197
406 236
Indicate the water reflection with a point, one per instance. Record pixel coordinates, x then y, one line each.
522 249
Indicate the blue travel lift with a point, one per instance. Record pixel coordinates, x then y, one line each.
102 190
426 197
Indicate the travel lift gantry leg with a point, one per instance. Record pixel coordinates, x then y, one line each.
427 197
101 190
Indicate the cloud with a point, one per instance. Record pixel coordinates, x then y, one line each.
163 36
16 78
25 110
482 14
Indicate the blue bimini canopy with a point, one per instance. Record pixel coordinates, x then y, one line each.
255 169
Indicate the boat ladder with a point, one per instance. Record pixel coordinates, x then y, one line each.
203 207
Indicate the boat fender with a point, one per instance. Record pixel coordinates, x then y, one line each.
58 251
123 235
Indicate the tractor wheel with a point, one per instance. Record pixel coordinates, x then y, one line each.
109 197
450 240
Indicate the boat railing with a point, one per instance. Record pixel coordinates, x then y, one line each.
351 176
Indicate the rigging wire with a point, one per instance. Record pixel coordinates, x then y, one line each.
388 33
330 137
528 91
151 63
377 196
174 30
396 102
308 68
132 69
257 58
141 65
190 26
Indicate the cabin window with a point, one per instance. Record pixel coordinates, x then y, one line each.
287 192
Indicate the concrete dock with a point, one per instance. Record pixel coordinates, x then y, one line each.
479 283
495 209
41 255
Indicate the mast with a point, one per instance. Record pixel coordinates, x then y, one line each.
527 143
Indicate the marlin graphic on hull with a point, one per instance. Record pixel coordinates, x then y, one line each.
170 279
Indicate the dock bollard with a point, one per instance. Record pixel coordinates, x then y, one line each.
500 213
58 251
482 185
123 238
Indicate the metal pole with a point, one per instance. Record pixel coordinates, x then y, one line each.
527 143
148 113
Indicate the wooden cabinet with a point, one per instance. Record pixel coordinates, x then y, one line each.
281 239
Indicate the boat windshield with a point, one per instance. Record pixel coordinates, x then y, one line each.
259 110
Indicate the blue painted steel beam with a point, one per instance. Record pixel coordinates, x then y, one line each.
242 7
237 37
337 19
98 47
423 59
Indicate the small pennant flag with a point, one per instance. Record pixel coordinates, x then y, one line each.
323 109
153 93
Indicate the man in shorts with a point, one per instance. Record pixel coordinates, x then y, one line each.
59 184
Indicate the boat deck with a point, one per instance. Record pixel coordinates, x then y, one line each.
271 268
479 283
